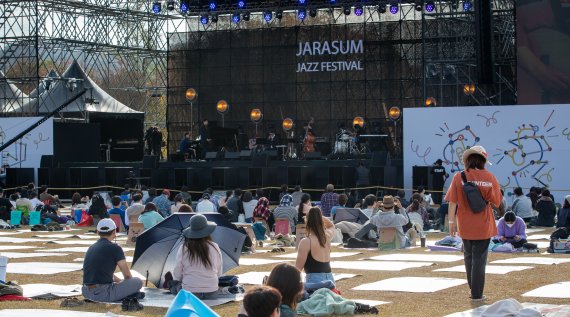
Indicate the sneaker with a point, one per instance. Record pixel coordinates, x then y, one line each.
71 302
131 304
477 300
354 243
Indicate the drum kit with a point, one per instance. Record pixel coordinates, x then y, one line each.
346 143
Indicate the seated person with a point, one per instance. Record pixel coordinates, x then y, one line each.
150 217
285 210
389 219
563 219
511 229
287 280
417 212
185 209
314 253
116 210
198 261
101 259
262 211
35 201
303 208
135 209
262 301
205 205
342 200
98 209
24 204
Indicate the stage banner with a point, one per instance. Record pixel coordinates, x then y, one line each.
527 145
543 47
27 151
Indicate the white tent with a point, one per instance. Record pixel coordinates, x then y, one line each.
10 96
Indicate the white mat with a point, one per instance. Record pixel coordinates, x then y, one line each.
490 269
557 290
534 230
9 233
128 258
52 313
541 244
256 278
19 255
252 261
533 260
42 268
370 302
539 237
133 273
333 255
74 242
155 297
412 284
77 249
48 232
51 290
418 257
19 240
546 309
50 235
377 265
16 247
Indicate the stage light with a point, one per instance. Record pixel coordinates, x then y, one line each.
241 4
332 2
213 5
394 113
214 18
302 14
170 5
191 94
430 6
394 7
302 2
382 8
358 10
469 89
222 107
236 18
359 121
313 12
287 124
184 7
419 6
255 115
467 5
279 14
267 16
346 10
245 16
431 102
204 19
156 7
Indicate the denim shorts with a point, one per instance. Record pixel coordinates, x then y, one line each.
318 277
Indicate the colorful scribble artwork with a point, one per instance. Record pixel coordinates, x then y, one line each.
459 141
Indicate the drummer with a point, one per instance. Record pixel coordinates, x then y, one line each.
358 131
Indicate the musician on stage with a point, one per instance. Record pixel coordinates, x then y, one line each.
272 141
309 137
358 131
185 147
204 137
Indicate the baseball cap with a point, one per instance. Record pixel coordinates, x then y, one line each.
106 225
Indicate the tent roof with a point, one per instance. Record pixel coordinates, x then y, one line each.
10 96
70 83
53 75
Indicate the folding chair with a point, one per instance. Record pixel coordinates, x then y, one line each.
282 226
135 229
259 219
388 239
299 234
118 222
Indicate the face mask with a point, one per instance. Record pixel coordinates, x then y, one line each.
510 224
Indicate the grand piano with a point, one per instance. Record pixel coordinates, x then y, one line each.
223 138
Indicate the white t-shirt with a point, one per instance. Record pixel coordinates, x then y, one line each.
205 206
249 207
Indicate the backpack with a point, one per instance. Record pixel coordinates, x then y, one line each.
560 233
474 197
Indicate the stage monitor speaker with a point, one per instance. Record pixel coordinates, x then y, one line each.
46 161
421 176
380 158
211 156
150 161
261 160
245 154
232 155
19 176
176 157
313 156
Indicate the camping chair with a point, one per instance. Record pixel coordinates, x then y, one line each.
24 210
259 219
135 229
118 222
299 234
388 239
282 226
133 219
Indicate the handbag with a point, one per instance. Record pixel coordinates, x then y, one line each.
409 225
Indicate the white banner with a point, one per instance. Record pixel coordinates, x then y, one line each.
528 145
27 151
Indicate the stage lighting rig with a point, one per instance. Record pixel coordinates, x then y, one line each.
358 10
302 14
245 16
430 6
313 12
214 18
346 10
382 6
241 4
394 7
204 19
467 5
279 14
170 5
419 6
184 6
213 5
267 16
236 18
156 7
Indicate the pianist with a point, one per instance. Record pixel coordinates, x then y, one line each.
185 148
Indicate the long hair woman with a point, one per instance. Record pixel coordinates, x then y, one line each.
417 212
199 261
303 208
314 252
475 228
150 216
287 280
98 208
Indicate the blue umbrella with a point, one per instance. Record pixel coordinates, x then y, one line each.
156 248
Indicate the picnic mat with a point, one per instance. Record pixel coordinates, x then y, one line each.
50 291
333 255
19 240
53 313
490 269
256 278
42 268
19 255
412 284
16 247
418 257
155 297
539 237
377 265
556 290
532 260
545 309
77 249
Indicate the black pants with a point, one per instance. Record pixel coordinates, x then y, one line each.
436 196
475 256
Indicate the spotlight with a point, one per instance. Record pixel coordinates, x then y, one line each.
213 5
394 7
236 18
279 14
241 4
454 4
156 7
430 6
382 8
246 16
358 10
419 6
302 14
302 2
431 101
204 19
170 5
394 113
267 16
467 5
346 10
313 12
184 7
332 2
214 18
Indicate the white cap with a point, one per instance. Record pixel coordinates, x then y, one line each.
106 225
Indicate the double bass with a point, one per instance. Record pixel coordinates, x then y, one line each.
309 140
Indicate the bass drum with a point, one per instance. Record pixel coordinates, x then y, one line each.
340 147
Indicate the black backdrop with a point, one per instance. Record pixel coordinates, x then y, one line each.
258 69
